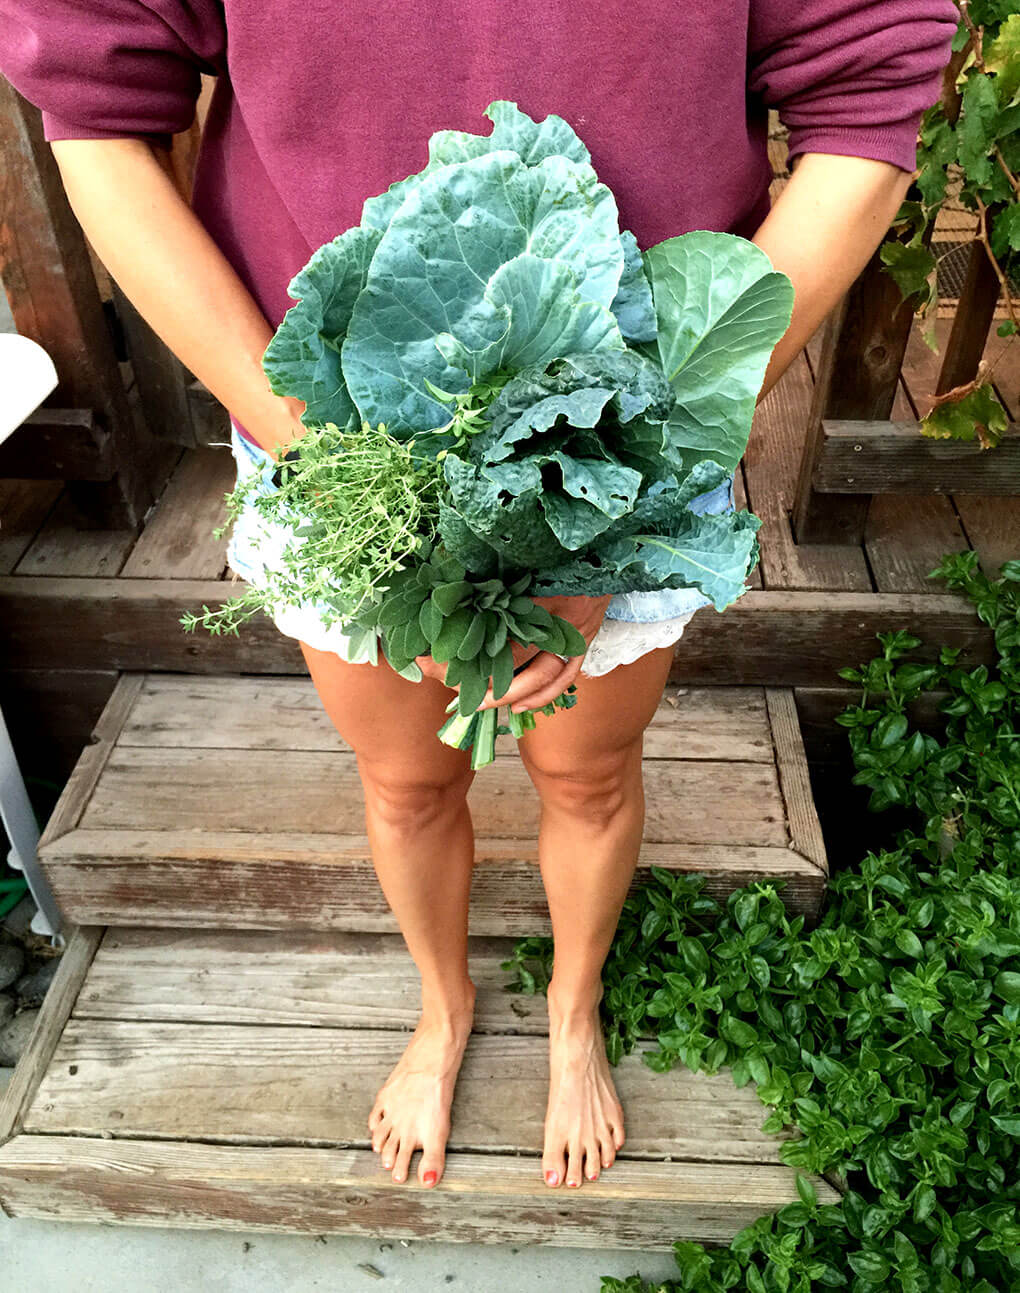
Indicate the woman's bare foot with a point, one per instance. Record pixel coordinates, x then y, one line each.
584 1116
412 1109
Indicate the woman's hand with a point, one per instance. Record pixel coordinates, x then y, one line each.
547 675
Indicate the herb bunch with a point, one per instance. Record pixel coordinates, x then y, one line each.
889 1035
359 504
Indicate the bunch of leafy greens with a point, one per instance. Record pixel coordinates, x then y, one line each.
890 1034
626 382
563 399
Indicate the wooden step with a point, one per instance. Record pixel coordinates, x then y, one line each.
224 1079
167 819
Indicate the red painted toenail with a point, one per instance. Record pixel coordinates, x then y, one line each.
429 1178
552 1178
573 1184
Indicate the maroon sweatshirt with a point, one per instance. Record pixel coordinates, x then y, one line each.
320 106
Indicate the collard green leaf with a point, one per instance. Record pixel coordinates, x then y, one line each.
581 408
710 552
513 131
633 304
303 358
502 506
532 312
720 308
429 274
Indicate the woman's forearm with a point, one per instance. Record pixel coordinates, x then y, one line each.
169 268
822 231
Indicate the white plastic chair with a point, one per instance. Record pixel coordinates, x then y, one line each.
27 376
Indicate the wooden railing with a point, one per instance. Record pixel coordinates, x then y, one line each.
851 450
124 404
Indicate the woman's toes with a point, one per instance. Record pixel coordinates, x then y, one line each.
553 1168
379 1134
591 1160
389 1148
574 1165
404 1154
430 1169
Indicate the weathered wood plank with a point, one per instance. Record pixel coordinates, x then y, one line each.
856 377
481 1198
286 714
62 443
161 379
177 542
701 801
52 291
906 538
269 1084
312 979
209 878
894 458
53 1016
791 761
62 548
24 506
991 524
776 638
770 467
83 779
974 313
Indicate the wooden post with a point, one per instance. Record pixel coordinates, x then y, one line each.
866 338
974 314
47 274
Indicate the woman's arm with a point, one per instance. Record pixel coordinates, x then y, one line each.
169 268
822 231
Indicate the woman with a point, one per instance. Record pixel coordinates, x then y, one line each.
310 117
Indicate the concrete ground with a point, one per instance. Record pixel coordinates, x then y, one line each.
108 1259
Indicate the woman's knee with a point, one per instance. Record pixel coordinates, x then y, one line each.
409 802
595 791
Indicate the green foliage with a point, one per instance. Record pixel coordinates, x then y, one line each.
358 504
889 1035
978 415
970 138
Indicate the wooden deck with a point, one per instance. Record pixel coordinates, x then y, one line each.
210 1058
215 1079
166 820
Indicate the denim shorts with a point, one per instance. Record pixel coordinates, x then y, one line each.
634 622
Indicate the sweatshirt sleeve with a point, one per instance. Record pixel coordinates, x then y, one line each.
112 69
850 78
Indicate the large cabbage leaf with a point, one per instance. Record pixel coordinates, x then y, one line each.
721 308
436 261
633 306
303 358
513 131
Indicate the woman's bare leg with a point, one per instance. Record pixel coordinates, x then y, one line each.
586 765
422 845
